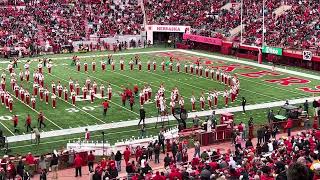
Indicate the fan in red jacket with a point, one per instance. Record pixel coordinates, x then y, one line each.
78 164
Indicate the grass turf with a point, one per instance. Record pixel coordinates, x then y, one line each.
64 116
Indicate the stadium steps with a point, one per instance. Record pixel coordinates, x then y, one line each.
228 6
235 31
281 10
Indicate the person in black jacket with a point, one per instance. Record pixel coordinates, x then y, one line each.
167 160
20 168
54 166
118 158
142 115
243 103
315 105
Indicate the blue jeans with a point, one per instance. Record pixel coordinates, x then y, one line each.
196 151
118 165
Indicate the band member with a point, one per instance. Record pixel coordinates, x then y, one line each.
202 103
131 101
21 75
15 123
149 91
170 66
209 99
2 94
41 80
27 94
88 81
135 90
207 72
53 86
33 102
200 70
16 90
172 105
191 68
71 85
112 65
93 66
60 89
73 97
28 123
78 66
27 65
212 73
105 106
218 74
103 66
22 96
40 67
84 92
65 92
193 103
102 90
149 65
197 70
3 75
3 84
163 65
139 65
178 67
10 67
41 120
181 102
121 64
145 92
53 98
186 68
109 90
95 87
49 66
131 64
46 95
215 99
226 97
141 98
154 65
10 103
77 86
123 98
41 93
13 83
85 64
91 95
6 99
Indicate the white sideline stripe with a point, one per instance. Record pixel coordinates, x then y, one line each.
122 124
252 64
107 82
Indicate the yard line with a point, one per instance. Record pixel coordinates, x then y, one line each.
74 105
106 82
7 128
31 107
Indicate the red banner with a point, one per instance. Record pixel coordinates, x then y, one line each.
203 39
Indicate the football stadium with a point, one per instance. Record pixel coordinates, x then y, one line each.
159 89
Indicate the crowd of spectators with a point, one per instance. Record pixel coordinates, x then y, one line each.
59 22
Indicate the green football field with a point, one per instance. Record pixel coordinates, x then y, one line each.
66 116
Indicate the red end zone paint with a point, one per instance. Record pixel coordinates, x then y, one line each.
310 90
260 74
288 81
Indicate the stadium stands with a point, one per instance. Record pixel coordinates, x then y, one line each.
60 22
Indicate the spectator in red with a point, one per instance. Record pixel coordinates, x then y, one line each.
103 163
289 126
126 155
78 165
91 159
158 176
30 159
175 174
